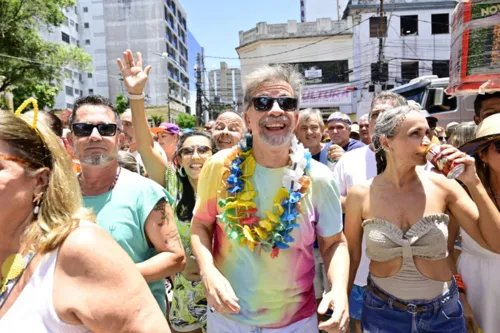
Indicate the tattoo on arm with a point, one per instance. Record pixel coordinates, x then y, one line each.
165 211
173 240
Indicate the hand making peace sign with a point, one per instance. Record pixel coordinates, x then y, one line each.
134 76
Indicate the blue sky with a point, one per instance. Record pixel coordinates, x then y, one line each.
216 23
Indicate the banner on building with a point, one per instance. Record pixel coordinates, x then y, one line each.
325 95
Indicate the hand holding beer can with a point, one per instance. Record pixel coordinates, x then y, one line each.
448 168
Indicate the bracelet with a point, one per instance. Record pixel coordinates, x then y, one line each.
135 97
460 283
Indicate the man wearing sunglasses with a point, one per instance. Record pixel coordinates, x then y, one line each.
133 209
248 289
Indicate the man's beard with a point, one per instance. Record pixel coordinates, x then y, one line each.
96 159
275 140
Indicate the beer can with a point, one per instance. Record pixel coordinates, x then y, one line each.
448 168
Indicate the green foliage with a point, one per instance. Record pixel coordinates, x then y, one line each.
29 63
185 120
44 93
157 119
121 103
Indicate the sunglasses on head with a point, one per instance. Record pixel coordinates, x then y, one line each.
265 103
189 150
443 138
85 129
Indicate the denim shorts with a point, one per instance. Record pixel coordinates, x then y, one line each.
442 314
356 302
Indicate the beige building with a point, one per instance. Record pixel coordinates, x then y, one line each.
322 51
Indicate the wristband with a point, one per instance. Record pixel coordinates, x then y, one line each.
135 97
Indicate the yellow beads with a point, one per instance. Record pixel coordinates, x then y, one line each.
12 267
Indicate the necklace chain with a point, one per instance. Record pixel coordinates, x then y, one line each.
112 186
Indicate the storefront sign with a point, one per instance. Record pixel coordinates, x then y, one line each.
325 95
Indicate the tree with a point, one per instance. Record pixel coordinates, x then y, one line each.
185 120
157 119
44 93
29 63
121 103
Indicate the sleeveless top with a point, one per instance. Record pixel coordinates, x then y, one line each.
33 311
426 239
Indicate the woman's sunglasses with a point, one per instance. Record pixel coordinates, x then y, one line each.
85 129
265 103
189 150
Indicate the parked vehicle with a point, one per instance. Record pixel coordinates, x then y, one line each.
429 92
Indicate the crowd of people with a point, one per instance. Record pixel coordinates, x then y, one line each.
271 221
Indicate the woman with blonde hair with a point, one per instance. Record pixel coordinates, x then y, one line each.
59 271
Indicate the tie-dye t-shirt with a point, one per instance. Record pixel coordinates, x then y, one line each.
277 292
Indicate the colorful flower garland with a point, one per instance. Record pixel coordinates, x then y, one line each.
239 211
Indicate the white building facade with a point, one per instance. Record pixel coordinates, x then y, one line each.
73 85
321 50
311 10
415 37
224 85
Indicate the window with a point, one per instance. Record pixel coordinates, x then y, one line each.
448 103
87 42
72 23
440 24
91 91
409 25
65 21
86 25
69 106
409 70
89 75
65 37
376 29
76 26
67 73
331 71
77 92
75 74
78 43
69 90
380 74
441 68
85 9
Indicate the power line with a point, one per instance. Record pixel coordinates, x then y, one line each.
295 49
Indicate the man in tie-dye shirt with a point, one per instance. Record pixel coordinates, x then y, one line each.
249 291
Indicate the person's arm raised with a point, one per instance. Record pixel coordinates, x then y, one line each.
478 217
97 284
135 79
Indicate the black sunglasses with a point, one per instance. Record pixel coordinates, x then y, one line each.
189 150
265 103
85 129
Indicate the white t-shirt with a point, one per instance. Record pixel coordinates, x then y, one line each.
356 167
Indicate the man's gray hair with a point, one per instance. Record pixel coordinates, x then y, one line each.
306 114
395 99
276 73
363 118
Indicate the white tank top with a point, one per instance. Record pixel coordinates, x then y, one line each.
33 311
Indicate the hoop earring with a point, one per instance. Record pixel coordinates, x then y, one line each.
181 172
37 201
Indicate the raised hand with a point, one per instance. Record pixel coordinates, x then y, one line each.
134 76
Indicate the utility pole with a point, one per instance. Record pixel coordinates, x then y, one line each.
382 31
198 90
